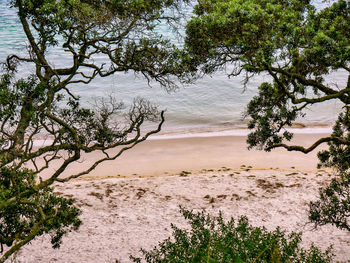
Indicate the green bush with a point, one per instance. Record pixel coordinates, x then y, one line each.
333 205
212 240
27 212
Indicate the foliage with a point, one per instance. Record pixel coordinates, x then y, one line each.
97 39
289 40
211 239
339 152
37 212
334 204
123 32
295 44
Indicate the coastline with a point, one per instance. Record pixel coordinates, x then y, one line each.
240 131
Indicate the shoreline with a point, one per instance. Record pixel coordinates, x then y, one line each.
230 132
216 131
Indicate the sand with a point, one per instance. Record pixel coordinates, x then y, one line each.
130 203
157 157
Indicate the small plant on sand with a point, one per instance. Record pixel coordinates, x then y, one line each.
214 240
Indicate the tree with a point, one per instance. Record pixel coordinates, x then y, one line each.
298 46
124 34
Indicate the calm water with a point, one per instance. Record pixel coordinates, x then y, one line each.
213 104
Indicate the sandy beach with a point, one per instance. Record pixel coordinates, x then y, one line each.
130 203
156 157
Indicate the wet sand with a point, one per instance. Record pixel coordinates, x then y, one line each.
158 157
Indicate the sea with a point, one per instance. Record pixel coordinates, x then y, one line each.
212 106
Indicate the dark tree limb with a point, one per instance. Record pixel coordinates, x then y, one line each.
312 147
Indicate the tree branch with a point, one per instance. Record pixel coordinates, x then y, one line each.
134 142
311 148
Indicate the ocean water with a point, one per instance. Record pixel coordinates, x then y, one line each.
213 105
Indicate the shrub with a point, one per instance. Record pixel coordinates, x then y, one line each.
333 205
213 240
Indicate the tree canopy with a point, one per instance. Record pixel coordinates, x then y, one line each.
123 31
43 105
298 46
